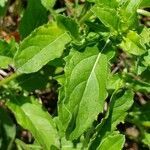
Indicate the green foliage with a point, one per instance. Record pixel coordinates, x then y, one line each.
7 51
113 141
96 57
2 3
7 130
34 16
31 116
81 85
135 44
48 4
43 45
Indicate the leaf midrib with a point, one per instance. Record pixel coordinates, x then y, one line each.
42 50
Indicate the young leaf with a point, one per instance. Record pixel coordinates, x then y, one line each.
43 45
31 116
107 13
133 44
112 141
84 90
115 82
128 14
117 15
34 16
48 4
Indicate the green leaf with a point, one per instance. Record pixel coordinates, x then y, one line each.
107 13
34 16
128 14
43 45
4 61
23 146
8 48
141 86
145 36
146 139
31 116
91 0
146 61
119 106
48 4
140 115
2 3
7 51
3 10
68 145
138 85
7 130
112 141
117 15
133 44
145 3
69 25
96 26
84 90
107 3
114 82
35 81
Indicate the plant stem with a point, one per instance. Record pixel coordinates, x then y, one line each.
8 79
143 12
